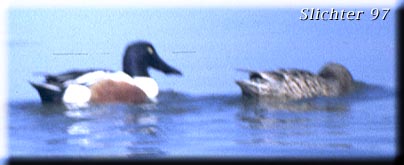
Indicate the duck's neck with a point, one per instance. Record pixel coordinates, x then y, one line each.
136 70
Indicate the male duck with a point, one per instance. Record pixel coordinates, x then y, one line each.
133 85
292 84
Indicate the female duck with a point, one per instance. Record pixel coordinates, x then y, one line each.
332 80
133 85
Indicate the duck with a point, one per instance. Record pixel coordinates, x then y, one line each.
79 88
332 80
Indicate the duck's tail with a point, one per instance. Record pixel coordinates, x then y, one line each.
248 89
48 92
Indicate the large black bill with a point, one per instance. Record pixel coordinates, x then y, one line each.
164 67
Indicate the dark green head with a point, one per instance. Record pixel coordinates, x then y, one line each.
141 55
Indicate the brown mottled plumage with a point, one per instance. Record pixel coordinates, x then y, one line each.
333 80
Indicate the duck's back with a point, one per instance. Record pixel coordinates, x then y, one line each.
285 84
298 84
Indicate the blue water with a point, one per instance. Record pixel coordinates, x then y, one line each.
202 112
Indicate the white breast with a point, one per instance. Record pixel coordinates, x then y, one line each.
148 85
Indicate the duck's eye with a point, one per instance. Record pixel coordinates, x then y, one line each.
150 50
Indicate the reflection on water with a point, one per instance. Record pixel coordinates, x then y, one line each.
184 125
133 129
126 128
306 123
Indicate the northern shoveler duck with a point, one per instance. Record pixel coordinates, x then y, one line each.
293 84
133 85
